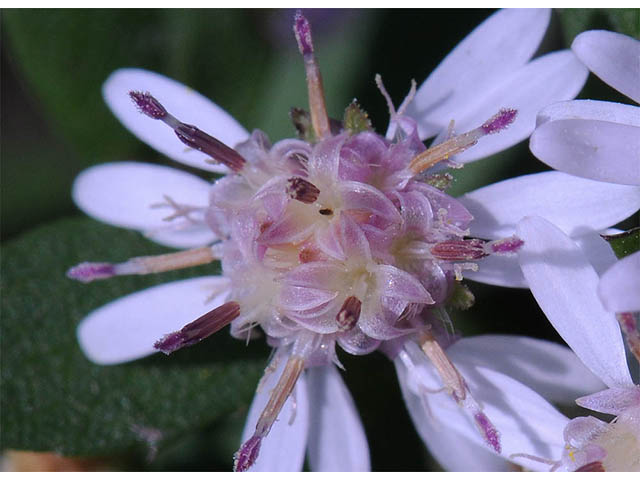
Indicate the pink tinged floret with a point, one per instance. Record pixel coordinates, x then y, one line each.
199 329
499 121
244 458
188 134
491 435
87 272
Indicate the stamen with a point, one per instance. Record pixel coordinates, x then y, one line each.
452 250
87 271
302 190
591 467
317 107
199 329
188 134
248 453
460 143
349 314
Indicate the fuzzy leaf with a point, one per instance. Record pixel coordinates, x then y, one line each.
54 399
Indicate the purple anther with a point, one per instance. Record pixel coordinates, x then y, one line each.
459 250
349 314
302 30
489 432
148 105
591 467
627 322
247 455
196 138
499 121
87 272
199 329
506 246
302 190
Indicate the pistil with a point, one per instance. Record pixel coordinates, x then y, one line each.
188 134
459 143
88 271
317 107
248 453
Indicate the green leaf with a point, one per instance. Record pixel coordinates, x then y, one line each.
624 243
54 399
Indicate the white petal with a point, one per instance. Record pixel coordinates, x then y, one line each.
122 194
284 447
613 57
564 284
182 102
337 442
454 452
619 287
500 45
505 271
605 151
127 328
576 205
551 78
552 370
591 110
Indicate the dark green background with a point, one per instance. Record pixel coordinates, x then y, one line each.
54 124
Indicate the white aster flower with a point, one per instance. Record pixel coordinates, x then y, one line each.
590 138
257 221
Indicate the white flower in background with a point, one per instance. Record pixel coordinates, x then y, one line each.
344 241
535 435
595 139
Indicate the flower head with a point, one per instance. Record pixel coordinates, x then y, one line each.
340 237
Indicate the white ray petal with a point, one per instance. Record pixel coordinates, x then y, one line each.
127 328
604 151
613 57
284 447
552 370
337 442
123 194
619 287
477 63
182 102
564 284
576 205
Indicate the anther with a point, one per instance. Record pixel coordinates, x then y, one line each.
317 107
349 314
591 467
188 134
457 250
87 272
459 143
199 329
302 190
248 453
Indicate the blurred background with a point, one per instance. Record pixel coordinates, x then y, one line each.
187 412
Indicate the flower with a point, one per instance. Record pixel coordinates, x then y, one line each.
595 139
339 237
